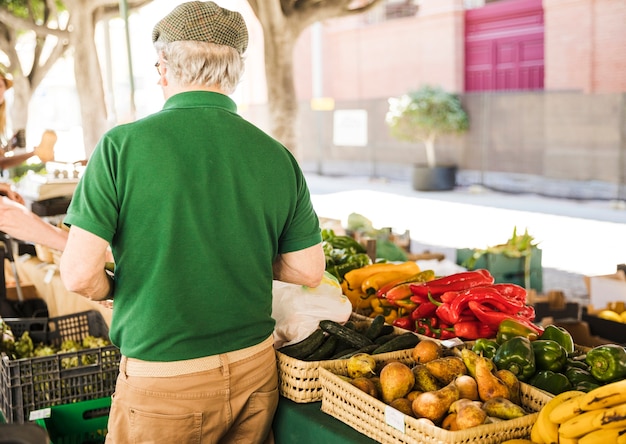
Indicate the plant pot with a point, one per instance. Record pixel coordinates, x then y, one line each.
438 178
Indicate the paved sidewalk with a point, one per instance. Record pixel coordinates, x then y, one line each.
577 237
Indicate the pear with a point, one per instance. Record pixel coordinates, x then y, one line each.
361 364
503 408
446 369
396 381
470 415
489 385
511 380
427 350
434 405
468 388
366 385
469 359
403 405
424 380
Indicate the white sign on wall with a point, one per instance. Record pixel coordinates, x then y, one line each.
350 127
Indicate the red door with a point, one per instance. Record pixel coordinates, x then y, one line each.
504 46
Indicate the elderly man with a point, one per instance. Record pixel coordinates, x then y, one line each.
202 211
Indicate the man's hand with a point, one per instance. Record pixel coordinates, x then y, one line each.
7 190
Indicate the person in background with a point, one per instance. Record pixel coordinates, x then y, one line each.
45 150
202 211
20 223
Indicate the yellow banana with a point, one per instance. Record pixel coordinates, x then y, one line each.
563 440
579 425
604 436
565 409
611 417
536 435
519 441
605 396
546 431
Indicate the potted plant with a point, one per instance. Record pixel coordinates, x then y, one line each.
421 116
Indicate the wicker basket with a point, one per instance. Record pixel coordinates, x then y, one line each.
369 416
298 380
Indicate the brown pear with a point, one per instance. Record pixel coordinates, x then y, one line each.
403 405
511 380
470 415
366 385
449 422
489 385
434 405
468 388
396 381
446 369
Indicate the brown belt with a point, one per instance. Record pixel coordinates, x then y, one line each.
152 369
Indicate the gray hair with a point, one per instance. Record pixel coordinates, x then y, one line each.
192 63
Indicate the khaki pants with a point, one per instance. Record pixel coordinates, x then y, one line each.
234 403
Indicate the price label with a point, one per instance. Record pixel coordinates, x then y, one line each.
394 418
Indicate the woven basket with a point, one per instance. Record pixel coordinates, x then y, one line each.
367 415
299 381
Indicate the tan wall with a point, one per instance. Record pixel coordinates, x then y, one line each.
585 45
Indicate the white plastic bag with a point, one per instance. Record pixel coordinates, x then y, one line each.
298 309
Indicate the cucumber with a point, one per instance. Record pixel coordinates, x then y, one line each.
387 329
325 351
367 349
344 352
400 342
384 338
305 347
356 339
375 327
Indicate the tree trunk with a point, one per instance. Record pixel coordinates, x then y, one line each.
88 77
430 150
281 91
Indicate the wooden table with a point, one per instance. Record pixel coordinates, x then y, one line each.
47 281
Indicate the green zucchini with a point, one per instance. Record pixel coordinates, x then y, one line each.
387 329
374 329
305 347
400 342
354 338
325 351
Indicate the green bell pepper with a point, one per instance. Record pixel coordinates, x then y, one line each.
551 382
607 362
549 355
560 335
509 328
585 386
517 356
576 375
578 363
485 347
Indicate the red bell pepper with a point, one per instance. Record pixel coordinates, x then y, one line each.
453 282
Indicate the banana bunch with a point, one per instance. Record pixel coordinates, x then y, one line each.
598 416
611 315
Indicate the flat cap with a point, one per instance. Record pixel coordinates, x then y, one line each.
203 22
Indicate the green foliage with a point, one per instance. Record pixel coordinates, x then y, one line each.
424 113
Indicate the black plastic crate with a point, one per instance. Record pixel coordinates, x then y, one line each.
34 383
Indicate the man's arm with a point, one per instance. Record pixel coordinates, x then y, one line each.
20 223
303 267
82 265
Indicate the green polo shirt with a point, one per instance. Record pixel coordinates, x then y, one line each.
196 203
